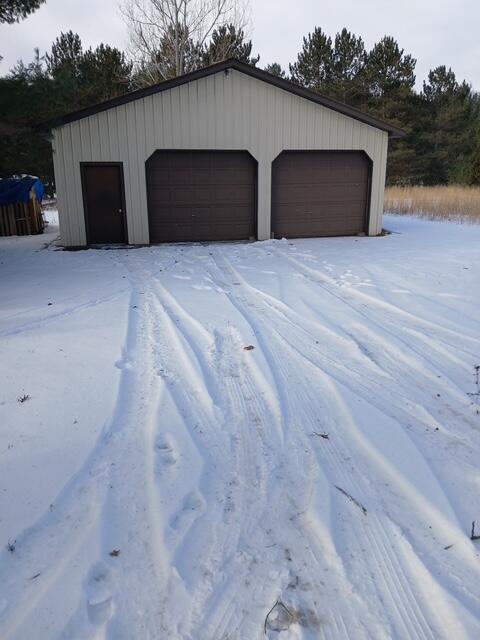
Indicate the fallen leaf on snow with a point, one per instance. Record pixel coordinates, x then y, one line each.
325 436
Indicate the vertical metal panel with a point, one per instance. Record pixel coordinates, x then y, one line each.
61 186
175 124
192 109
141 152
157 122
167 119
150 123
70 175
228 111
133 160
186 103
76 186
113 134
104 135
223 111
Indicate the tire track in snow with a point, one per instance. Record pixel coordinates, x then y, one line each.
405 580
416 411
413 414
234 407
424 509
295 328
166 333
341 371
57 532
60 315
221 616
390 326
256 429
325 281
338 615
400 398
149 561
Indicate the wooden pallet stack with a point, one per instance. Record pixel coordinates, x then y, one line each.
22 218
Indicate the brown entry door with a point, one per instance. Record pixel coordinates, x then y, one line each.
103 202
320 193
201 196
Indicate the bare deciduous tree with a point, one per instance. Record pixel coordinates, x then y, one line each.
167 37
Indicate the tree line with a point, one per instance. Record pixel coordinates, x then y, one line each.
442 121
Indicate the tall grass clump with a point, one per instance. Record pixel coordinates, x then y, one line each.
458 203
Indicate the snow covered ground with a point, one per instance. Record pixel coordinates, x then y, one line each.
161 481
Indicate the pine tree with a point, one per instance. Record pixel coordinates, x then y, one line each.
473 171
314 66
389 79
389 73
84 78
349 58
65 55
450 127
104 73
275 69
228 42
64 80
25 98
14 10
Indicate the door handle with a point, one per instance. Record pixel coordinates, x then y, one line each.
120 211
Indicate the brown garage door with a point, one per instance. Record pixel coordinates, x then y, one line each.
201 196
319 193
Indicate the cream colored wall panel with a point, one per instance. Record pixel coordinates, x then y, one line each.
193 114
79 228
174 122
70 173
222 111
184 108
61 186
113 134
134 213
139 156
103 135
157 122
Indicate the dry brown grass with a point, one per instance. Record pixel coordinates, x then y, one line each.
453 202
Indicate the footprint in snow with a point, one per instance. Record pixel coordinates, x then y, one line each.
165 448
99 590
123 363
193 506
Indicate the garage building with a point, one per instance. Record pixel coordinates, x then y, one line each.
228 152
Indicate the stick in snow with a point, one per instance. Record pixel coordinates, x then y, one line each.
473 536
354 500
476 376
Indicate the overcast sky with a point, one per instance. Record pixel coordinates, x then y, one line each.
433 31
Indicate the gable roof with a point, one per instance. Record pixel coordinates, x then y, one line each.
232 63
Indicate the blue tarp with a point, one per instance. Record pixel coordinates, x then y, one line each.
18 189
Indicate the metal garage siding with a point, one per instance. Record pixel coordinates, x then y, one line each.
222 111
